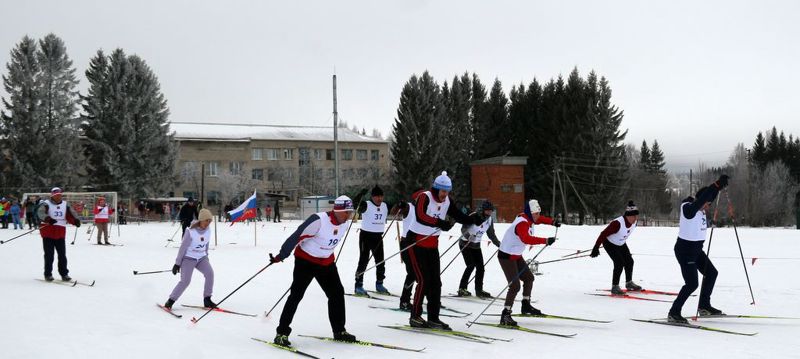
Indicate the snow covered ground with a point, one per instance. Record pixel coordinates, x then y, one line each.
118 318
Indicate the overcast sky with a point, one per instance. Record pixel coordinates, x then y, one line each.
698 76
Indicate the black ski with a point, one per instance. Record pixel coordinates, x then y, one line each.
550 316
439 332
219 310
527 330
71 283
290 349
366 297
169 311
423 312
693 326
86 284
362 343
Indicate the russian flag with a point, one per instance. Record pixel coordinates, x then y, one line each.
246 210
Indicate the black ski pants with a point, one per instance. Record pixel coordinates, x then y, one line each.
331 284
411 277
370 242
692 259
57 245
621 256
473 258
426 265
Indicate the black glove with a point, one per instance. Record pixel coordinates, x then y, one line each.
595 252
78 223
477 220
50 221
444 225
722 182
551 240
275 259
496 243
176 269
556 224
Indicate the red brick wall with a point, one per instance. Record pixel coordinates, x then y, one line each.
497 184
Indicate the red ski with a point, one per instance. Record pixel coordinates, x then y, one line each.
628 296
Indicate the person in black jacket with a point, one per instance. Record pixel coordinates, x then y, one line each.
470 244
187 214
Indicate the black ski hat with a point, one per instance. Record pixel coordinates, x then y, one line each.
376 191
631 209
487 205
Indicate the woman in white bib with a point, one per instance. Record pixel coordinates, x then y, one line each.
192 255
614 239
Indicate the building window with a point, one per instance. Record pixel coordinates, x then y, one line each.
374 155
236 168
376 173
317 154
258 174
287 153
330 155
257 154
361 155
331 173
212 198
213 169
362 173
272 153
517 188
347 155
506 188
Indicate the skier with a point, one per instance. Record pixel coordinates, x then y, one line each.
431 208
313 243
517 237
101 212
406 210
56 213
187 214
471 236
193 254
613 238
690 255
370 239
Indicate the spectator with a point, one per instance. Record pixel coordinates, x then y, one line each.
15 212
30 208
268 212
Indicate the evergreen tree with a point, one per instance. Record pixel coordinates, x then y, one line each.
663 202
458 139
41 127
644 159
759 152
492 131
126 121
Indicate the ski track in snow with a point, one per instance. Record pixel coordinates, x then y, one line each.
117 319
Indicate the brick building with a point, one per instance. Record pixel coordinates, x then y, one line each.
502 181
293 161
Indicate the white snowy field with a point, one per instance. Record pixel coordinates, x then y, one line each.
117 318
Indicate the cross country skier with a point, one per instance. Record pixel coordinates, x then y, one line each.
56 213
689 251
517 237
193 254
370 239
613 238
431 207
313 243
406 209
101 215
472 234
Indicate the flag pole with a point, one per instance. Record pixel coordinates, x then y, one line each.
255 240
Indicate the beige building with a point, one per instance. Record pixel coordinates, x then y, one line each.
294 161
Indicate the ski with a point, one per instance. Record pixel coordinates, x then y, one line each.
478 299
423 312
728 316
644 291
71 283
219 310
386 294
290 349
362 343
693 326
453 310
366 297
169 311
108 245
550 316
86 284
439 332
628 296
524 329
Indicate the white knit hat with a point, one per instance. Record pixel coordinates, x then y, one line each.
443 182
534 206
343 204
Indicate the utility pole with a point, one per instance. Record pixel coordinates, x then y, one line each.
335 138
202 183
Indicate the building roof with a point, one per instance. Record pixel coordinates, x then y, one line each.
502 160
194 131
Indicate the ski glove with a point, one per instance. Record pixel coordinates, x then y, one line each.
444 225
722 182
551 240
176 269
595 252
275 259
556 224
77 223
49 220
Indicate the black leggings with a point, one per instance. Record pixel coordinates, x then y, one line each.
692 259
473 258
328 279
411 277
370 242
621 256
426 265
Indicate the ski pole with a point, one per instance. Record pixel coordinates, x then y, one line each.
708 252
382 237
448 248
195 320
576 253
173 236
527 264
485 264
266 315
74 236
565 259
28 232
91 230
401 251
735 231
153 272
345 235
454 258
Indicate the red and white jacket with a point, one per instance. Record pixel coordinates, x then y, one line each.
62 213
102 213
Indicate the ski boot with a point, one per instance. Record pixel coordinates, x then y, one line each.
405 306
66 278
676 318
169 303
463 292
381 289
630 285
616 290
505 318
438 324
528 309
282 340
708 310
344 336
360 291
418 322
208 303
481 294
